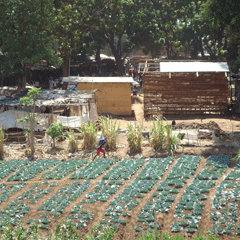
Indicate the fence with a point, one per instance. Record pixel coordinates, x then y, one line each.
184 93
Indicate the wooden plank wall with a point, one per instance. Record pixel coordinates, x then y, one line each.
184 93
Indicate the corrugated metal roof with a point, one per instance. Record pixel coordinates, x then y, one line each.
73 79
194 67
53 98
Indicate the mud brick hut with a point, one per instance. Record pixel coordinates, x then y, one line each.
185 88
113 95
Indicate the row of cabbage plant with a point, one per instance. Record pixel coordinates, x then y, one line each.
94 169
126 201
58 202
30 171
8 167
64 168
190 207
7 190
226 203
163 199
105 188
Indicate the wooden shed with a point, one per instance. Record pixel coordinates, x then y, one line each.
186 88
113 95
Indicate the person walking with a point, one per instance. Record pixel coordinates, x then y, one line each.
100 148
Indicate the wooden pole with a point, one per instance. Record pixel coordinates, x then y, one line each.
52 115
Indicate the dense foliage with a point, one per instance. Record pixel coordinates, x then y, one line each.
31 31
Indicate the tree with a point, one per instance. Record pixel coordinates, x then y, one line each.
54 131
226 14
121 24
29 103
24 35
73 21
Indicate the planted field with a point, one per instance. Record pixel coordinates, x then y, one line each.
176 194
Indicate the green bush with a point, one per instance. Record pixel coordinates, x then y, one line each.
54 131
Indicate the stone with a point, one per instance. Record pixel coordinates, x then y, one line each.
145 144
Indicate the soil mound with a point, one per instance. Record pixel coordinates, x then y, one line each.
210 125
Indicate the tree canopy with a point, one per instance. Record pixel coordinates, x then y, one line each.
24 34
58 31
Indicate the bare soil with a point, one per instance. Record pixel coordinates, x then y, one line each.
226 141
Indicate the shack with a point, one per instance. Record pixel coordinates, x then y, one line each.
113 95
185 88
71 108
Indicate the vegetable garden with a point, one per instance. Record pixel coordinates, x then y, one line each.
183 194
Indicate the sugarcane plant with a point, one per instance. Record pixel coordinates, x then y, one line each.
88 132
172 141
162 137
135 137
72 141
29 103
157 135
110 130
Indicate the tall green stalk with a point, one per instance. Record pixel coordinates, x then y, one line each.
157 135
110 130
89 134
72 141
134 138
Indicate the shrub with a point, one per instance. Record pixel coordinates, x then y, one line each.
54 131
134 138
110 130
89 134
